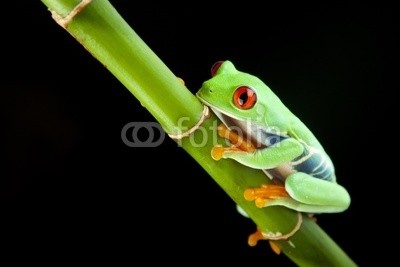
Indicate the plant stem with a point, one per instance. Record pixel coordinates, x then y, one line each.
105 34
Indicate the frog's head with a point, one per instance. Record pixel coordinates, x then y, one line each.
242 97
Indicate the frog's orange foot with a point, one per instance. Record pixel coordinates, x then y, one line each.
239 144
265 192
274 236
257 236
235 139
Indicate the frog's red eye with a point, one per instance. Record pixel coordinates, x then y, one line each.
244 97
215 67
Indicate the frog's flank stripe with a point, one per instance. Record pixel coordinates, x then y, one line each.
313 162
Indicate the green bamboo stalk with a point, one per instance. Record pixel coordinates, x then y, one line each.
105 34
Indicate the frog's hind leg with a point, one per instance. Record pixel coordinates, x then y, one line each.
301 192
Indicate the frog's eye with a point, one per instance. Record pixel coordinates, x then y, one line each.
244 97
215 67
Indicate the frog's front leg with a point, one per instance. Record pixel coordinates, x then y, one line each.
264 158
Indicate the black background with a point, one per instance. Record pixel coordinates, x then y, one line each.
71 189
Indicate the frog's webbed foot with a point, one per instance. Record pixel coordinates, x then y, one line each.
257 236
265 192
238 143
271 236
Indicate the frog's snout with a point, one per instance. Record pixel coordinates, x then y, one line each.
205 92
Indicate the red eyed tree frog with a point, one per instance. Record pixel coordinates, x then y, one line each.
285 149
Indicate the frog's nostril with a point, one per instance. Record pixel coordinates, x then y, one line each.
210 90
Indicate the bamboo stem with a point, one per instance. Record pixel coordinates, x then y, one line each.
105 34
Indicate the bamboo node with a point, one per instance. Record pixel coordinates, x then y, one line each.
64 21
205 114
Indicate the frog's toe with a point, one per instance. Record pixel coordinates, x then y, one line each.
218 151
257 236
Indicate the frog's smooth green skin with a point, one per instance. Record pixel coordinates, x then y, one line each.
286 148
